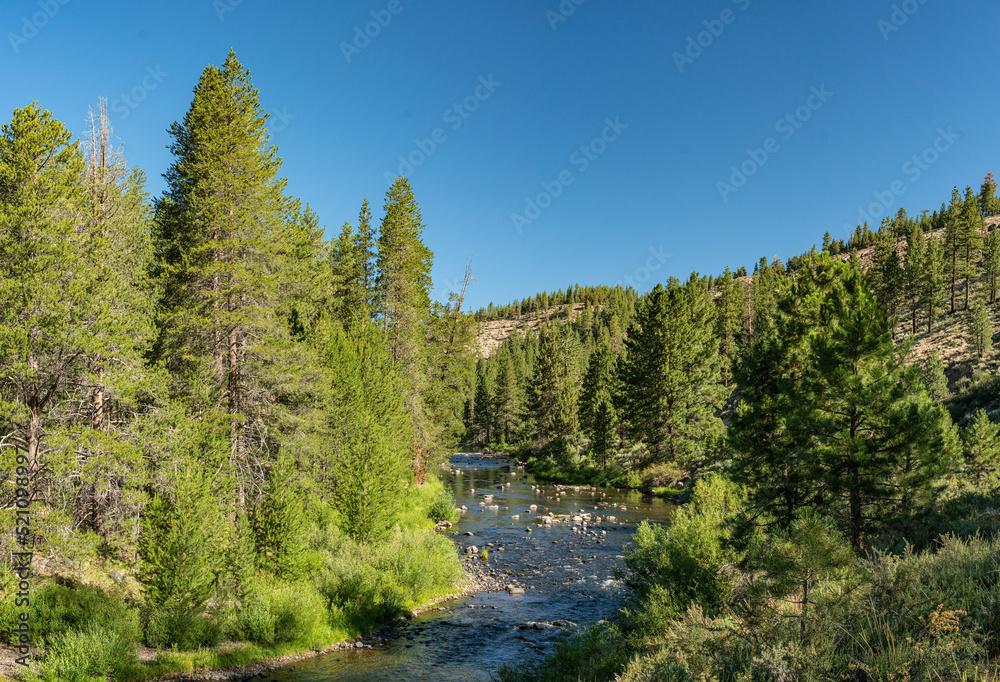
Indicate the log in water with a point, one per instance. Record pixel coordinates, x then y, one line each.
564 567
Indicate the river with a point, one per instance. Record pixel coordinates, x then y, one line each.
567 575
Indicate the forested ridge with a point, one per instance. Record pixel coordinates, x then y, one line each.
830 423
223 425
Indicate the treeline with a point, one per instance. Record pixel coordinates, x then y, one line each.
201 387
641 382
539 304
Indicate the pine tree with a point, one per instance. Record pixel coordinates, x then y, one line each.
729 321
179 545
982 448
989 203
48 267
215 231
971 220
279 523
840 408
365 256
483 404
508 398
916 269
556 402
953 242
670 375
980 331
935 379
932 280
604 427
886 274
369 428
403 304
991 263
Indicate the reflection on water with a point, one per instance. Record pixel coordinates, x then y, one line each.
567 575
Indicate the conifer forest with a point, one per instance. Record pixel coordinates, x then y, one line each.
237 437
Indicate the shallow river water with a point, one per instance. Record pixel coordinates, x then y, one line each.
567 577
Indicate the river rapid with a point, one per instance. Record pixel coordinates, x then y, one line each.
565 570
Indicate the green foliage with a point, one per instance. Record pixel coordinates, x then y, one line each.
279 524
92 654
284 612
686 558
369 584
57 610
180 557
982 449
443 508
841 406
366 416
670 374
980 333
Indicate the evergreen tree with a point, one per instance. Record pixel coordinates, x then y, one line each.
483 416
991 263
215 229
369 428
886 273
49 319
365 256
557 385
982 449
971 221
916 270
279 523
181 534
840 408
932 280
729 321
953 243
508 398
980 331
403 296
989 203
935 379
670 374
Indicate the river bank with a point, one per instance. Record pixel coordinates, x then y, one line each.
542 541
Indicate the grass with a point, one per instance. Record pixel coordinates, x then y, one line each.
91 634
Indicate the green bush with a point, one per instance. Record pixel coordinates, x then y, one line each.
182 628
443 508
368 584
94 654
57 610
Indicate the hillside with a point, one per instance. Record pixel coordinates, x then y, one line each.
948 336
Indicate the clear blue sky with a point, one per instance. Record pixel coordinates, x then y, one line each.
649 197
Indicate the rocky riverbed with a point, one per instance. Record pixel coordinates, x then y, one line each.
550 552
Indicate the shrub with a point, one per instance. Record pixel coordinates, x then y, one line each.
58 610
182 628
443 508
94 654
